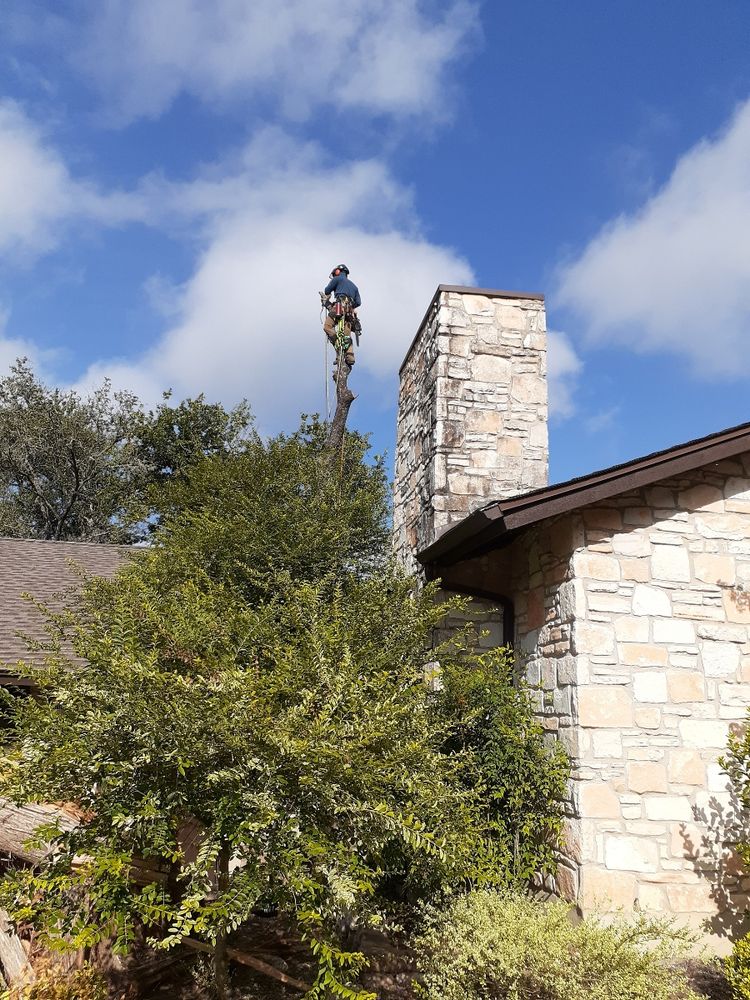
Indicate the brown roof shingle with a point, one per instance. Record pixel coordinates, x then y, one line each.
43 569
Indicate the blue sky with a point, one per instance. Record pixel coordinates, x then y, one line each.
177 178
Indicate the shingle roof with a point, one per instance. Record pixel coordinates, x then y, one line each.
43 569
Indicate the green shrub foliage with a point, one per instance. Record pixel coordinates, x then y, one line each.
260 671
54 984
488 945
737 969
522 775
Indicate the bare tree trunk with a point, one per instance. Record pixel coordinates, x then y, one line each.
221 958
344 399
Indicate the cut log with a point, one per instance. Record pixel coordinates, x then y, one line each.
17 970
19 823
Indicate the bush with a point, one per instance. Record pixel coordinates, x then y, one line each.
523 776
54 984
489 945
737 969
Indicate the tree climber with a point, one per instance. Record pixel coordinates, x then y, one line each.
346 300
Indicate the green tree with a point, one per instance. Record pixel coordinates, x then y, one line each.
93 468
259 671
67 464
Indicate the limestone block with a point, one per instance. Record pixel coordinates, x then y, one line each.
606 743
605 603
736 604
593 637
633 854
711 568
651 601
571 598
720 659
631 543
668 807
701 497
647 777
479 305
608 518
636 570
686 767
598 801
734 694
529 389
607 890
481 421
670 562
647 717
596 566
685 686
651 898
691 898
734 526
513 317
639 654
629 629
703 733
674 631
688 841
650 687
604 706
737 493
491 368
642 516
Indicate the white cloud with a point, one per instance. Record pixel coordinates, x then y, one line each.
380 56
563 368
247 320
675 276
38 194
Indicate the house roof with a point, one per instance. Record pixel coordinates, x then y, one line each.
487 525
46 570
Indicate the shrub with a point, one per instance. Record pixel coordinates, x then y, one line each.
488 945
54 984
523 776
737 969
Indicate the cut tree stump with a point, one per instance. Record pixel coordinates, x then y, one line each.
344 399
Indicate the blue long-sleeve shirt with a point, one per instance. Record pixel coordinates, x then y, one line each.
341 285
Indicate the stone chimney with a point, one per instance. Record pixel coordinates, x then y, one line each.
472 413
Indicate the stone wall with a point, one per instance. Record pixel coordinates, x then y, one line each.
472 417
662 665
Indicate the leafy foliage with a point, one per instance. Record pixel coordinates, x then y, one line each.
67 464
277 509
258 675
737 969
92 469
54 984
523 776
299 734
494 946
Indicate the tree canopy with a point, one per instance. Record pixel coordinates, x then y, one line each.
260 671
89 468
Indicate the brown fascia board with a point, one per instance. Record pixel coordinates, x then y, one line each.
500 517
489 293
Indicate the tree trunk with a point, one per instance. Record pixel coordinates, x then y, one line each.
344 399
221 958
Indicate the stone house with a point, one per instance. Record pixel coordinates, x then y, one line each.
625 592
